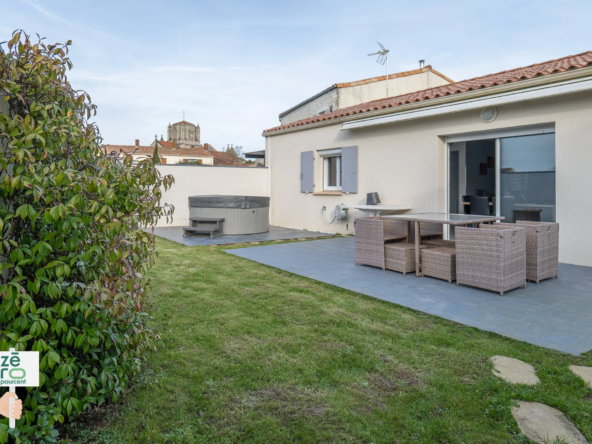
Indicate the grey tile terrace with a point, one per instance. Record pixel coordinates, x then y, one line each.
274 234
557 313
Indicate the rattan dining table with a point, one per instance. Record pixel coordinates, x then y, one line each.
439 218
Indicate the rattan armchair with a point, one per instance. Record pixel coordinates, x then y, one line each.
492 259
371 235
542 248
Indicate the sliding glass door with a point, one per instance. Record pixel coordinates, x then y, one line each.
519 171
527 178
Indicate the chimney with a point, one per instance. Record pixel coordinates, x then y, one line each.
421 62
137 142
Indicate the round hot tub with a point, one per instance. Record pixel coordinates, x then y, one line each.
242 214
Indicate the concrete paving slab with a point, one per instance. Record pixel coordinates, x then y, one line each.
546 314
274 234
576 345
559 336
584 321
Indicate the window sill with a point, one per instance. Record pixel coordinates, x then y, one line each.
327 193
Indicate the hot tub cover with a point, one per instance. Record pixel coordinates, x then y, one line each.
241 202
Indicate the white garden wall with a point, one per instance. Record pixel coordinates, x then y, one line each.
193 180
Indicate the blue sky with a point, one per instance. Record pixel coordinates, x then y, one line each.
233 66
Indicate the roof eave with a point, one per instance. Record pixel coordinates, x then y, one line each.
514 86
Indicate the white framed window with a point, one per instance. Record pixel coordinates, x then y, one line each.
332 171
339 170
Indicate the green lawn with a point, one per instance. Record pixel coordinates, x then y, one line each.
254 354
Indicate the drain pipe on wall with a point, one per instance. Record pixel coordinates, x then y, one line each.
268 165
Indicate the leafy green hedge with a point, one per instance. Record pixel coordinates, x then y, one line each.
72 284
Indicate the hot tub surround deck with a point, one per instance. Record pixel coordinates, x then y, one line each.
274 234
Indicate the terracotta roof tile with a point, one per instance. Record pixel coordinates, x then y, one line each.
563 64
225 159
148 150
183 121
366 81
165 143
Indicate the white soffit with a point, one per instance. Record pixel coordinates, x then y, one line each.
538 92
516 131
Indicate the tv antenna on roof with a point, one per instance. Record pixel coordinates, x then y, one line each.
382 59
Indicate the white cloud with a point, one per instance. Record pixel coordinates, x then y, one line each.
46 13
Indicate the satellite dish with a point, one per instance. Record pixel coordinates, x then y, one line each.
382 59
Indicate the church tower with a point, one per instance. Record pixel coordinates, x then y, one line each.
185 134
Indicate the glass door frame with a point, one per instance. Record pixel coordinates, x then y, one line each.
498 176
497 134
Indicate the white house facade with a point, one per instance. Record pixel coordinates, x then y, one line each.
521 137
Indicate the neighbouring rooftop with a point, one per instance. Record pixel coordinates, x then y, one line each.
168 151
367 81
550 67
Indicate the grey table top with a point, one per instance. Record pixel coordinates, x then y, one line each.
381 207
447 218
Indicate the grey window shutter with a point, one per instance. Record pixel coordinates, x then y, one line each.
306 172
349 169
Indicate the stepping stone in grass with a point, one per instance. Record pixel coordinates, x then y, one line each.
544 424
583 372
514 371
